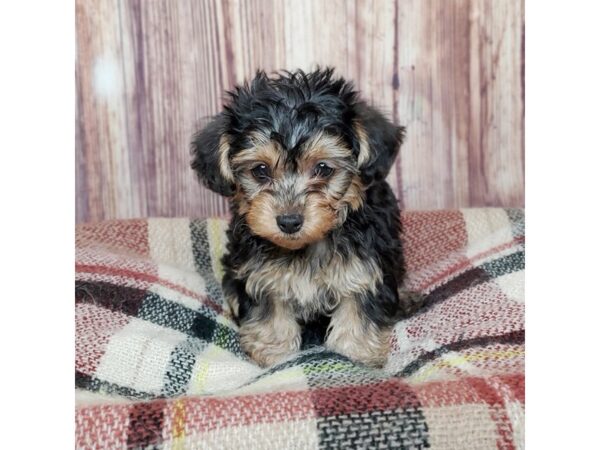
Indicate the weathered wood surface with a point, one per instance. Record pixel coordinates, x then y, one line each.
149 71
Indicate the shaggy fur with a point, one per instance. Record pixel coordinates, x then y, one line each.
314 252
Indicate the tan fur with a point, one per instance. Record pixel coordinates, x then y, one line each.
232 305
272 339
364 152
323 147
353 336
224 165
317 199
266 152
241 202
319 218
261 218
336 285
316 291
355 196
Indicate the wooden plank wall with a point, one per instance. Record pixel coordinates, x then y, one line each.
149 72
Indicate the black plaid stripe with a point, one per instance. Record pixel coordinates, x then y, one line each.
474 277
465 280
203 328
386 414
200 324
93 384
181 364
166 313
110 296
228 339
514 337
184 356
145 425
200 327
505 265
202 259
401 429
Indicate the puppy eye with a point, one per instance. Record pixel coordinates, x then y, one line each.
261 172
323 170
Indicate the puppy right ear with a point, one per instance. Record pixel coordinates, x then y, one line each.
210 157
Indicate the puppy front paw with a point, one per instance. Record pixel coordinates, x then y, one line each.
267 344
370 347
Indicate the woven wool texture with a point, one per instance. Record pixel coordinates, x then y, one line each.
158 361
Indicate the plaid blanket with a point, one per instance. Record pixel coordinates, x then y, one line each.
159 365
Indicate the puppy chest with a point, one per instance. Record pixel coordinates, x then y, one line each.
318 288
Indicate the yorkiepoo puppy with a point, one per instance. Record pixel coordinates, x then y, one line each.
314 254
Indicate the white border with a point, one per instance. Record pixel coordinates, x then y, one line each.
562 173
37 104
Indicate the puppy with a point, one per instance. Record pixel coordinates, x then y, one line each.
314 252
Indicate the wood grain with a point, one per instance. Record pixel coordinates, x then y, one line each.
150 72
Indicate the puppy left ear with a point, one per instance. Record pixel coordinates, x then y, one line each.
378 140
210 157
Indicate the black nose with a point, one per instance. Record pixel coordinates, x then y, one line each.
290 223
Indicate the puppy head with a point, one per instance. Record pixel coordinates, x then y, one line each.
295 153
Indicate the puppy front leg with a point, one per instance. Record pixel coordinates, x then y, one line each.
354 335
268 329
270 334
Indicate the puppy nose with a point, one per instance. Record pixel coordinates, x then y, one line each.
290 223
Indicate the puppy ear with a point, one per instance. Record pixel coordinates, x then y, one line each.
378 140
210 157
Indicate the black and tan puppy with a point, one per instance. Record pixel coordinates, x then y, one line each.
314 238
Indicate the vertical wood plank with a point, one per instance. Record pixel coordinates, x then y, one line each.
496 140
433 101
462 106
100 112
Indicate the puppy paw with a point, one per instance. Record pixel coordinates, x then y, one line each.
265 345
370 346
